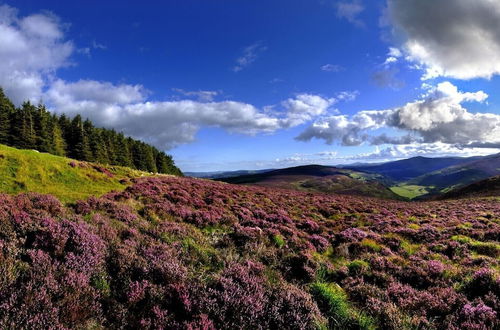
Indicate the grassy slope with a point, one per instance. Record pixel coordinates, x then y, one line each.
409 191
484 188
317 178
29 170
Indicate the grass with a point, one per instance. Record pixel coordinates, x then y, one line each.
490 249
31 171
409 191
333 303
279 241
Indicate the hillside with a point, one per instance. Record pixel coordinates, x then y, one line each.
406 169
461 174
35 128
485 188
317 178
67 179
181 253
421 177
223 174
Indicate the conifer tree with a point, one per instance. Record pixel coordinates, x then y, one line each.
58 145
31 127
41 123
80 148
6 110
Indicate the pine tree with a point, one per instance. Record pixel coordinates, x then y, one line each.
6 110
122 151
149 158
79 140
98 147
31 127
41 123
22 127
58 145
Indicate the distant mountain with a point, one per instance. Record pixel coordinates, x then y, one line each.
407 169
223 174
460 175
485 188
317 178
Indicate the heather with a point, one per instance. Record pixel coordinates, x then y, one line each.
182 253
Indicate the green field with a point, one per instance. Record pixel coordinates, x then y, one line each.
67 179
410 191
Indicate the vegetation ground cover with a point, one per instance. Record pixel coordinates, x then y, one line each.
171 252
67 179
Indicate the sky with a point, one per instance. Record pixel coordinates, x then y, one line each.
253 84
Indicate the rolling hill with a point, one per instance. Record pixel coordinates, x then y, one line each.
65 178
413 178
485 188
456 176
317 178
223 174
407 169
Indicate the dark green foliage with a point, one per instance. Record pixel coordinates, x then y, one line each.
33 127
6 110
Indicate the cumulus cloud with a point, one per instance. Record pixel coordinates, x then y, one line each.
437 149
452 38
202 96
33 48
350 11
304 107
250 55
332 68
438 117
168 124
392 56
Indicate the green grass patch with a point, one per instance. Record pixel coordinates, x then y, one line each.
279 241
410 248
357 267
371 244
490 249
409 191
32 171
334 304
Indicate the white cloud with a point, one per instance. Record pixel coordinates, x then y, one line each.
33 48
438 117
250 55
305 107
347 96
168 124
451 38
202 96
350 11
392 56
332 68
437 149
394 52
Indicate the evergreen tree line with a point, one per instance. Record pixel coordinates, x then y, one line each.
33 127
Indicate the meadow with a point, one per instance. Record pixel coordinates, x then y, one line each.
67 179
181 253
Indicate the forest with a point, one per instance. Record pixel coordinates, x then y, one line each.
34 127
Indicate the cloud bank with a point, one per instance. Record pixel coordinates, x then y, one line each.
450 38
32 49
438 117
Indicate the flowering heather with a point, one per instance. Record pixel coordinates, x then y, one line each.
186 253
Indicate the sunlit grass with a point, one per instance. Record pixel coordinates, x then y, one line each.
68 180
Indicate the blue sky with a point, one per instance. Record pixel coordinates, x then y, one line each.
224 85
